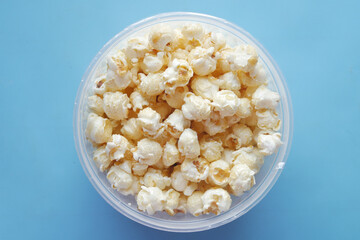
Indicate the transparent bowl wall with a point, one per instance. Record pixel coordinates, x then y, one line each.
126 205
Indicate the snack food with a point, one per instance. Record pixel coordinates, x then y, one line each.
174 102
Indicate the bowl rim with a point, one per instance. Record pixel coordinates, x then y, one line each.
221 219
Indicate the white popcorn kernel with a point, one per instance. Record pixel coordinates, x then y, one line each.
119 179
231 120
268 120
147 151
180 54
210 149
251 120
226 102
216 40
215 124
171 154
172 201
162 108
99 86
116 105
188 144
241 135
243 57
195 170
151 199
195 107
95 104
132 129
118 71
190 188
152 63
151 84
241 179
149 121
229 81
134 188
138 101
258 75
204 87
136 48
160 37
176 99
219 173
139 169
193 32
216 200
177 74
264 98
268 142
182 205
101 159
176 123
117 147
202 60
244 108
178 181
155 178
250 156
98 129
227 156
195 204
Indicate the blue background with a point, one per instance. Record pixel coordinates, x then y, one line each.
45 47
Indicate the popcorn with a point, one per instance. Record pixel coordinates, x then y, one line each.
138 101
248 155
101 159
195 107
241 179
202 60
204 87
151 199
195 170
268 142
149 121
210 149
195 204
147 151
219 173
268 120
171 154
180 120
132 129
151 84
188 144
98 129
226 102
155 178
176 75
95 104
160 37
264 98
116 105
176 123
216 200
117 147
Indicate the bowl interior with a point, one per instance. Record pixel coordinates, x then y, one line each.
183 222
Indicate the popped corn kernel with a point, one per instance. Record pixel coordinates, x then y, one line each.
101 159
177 74
188 144
117 147
241 135
161 36
138 101
195 204
176 99
149 121
268 119
151 84
195 107
244 108
152 63
171 153
195 169
250 156
264 98
215 124
219 173
204 87
216 40
229 81
151 199
268 142
216 200
139 169
98 129
116 105
155 178
241 179
132 129
210 149
147 151
193 32
172 201
180 183
95 104
119 179
99 86
202 60
226 102
162 108
118 71
176 123
136 48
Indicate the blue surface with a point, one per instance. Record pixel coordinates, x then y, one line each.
46 47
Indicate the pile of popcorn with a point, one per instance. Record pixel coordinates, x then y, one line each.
181 120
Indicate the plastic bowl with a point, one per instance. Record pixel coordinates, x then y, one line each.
265 179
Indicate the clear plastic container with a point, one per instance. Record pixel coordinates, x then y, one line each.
265 179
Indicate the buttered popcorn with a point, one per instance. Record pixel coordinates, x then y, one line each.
182 121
